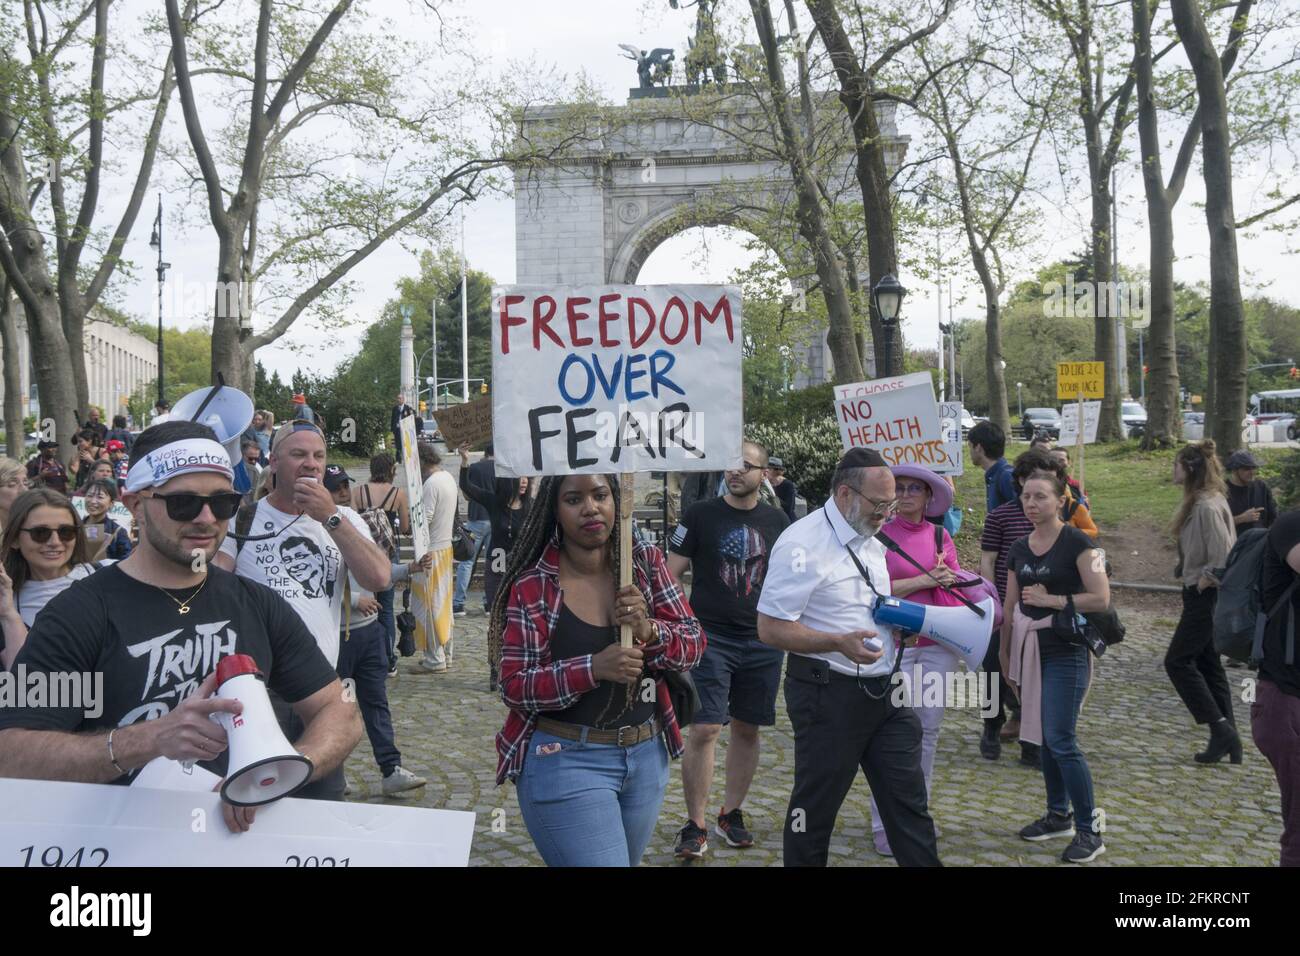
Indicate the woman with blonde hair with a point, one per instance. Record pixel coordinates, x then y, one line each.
13 482
1206 533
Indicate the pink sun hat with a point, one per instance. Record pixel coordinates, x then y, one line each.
940 493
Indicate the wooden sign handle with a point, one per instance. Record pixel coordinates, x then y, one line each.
1079 442
625 506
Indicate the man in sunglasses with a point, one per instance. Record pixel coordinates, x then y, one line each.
302 545
155 625
726 542
823 575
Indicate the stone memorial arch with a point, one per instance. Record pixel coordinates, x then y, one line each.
646 175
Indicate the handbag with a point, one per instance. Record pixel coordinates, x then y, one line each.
462 540
685 696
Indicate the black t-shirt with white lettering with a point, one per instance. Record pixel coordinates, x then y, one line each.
1057 570
1277 577
152 657
728 548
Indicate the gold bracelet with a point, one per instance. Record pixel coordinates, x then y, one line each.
113 759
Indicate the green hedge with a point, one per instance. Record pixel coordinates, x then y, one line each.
809 449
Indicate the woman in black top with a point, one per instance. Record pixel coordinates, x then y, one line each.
1053 569
507 506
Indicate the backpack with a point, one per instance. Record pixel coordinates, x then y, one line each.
1239 615
380 525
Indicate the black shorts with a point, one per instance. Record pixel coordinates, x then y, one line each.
737 679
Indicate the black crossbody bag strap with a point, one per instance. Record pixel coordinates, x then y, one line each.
866 576
893 546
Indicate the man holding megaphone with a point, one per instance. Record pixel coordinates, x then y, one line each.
156 625
824 576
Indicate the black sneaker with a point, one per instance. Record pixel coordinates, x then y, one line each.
692 841
731 827
1084 848
1048 826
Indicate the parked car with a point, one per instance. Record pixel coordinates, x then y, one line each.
1193 425
1047 420
1134 417
967 422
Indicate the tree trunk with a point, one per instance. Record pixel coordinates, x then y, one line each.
15 435
1164 423
872 173
1227 316
809 213
230 357
1109 427
30 276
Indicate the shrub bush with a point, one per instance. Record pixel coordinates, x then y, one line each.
810 450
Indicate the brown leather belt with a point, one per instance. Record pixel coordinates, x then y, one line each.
622 736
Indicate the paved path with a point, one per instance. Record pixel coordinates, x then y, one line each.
1161 808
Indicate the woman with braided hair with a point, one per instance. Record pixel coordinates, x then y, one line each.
591 725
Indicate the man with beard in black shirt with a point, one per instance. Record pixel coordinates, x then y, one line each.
155 625
725 542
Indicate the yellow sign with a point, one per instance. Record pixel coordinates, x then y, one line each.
1075 377
1196 399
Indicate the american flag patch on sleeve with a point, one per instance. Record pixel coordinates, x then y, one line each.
678 536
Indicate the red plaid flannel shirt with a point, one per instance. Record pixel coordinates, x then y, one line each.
532 683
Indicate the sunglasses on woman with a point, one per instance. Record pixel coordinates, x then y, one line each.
41 534
184 506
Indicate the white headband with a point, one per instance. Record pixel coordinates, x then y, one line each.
182 457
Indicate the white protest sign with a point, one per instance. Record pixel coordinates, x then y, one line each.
950 424
414 487
1070 423
617 378
118 512
896 416
52 823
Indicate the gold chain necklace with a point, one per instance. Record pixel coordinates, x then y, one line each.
184 606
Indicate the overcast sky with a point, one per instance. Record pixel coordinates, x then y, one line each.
569 36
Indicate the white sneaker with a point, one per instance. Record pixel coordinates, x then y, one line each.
433 667
400 780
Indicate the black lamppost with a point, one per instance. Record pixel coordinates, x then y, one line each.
888 298
155 243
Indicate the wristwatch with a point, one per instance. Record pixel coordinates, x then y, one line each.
333 521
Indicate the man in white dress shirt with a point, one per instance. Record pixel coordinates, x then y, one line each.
816 605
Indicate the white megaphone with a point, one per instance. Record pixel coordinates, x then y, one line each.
227 411
957 628
263 765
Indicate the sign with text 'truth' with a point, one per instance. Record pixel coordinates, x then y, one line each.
616 378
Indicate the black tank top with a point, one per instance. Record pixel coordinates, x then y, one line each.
574 637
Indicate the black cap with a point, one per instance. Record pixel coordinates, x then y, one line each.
862 458
334 477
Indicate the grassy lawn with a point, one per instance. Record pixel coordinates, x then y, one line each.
1132 490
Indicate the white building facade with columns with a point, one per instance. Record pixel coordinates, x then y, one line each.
118 362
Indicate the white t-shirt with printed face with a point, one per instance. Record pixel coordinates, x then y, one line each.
302 564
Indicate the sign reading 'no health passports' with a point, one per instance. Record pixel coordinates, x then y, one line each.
616 378
899 418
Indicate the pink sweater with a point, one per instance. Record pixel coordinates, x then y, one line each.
918 541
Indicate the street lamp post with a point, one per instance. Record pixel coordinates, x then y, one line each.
1020 405
155 243
888 297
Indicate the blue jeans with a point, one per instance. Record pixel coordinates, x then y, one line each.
481 530
1065 769
389 622
363 657
592 804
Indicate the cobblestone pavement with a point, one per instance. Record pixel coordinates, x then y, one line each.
1161 808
